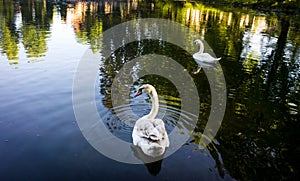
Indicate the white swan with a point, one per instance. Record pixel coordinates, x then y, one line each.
149 133
203 57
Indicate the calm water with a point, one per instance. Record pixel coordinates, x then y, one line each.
41 43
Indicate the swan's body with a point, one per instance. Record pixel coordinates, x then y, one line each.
201 57
149 133
204 65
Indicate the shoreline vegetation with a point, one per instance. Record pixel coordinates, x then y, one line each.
289 7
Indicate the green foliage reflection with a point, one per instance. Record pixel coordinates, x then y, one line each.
9 43
34 41
28 25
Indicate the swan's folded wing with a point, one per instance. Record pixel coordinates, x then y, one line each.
146 129
160 126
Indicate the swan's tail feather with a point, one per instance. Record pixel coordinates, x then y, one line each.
155 135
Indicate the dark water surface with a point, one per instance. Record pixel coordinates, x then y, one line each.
41 43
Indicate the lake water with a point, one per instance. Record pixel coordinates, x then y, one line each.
43 42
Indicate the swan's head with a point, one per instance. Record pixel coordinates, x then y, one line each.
145 89
197 41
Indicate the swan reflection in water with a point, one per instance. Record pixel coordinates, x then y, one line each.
204 60
153 166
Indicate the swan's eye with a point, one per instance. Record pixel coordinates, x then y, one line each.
139 92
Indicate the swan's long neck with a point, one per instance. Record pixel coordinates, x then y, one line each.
154 109
201 48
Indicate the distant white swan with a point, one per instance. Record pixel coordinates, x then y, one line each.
203 57
149 133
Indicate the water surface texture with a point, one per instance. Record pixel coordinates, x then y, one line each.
41 43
